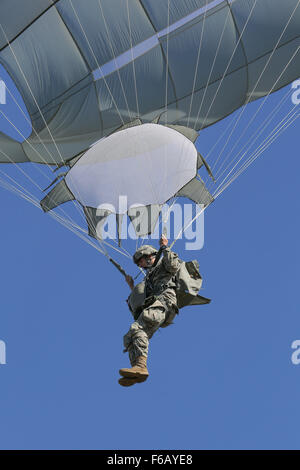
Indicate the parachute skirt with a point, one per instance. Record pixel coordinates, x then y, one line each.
141 166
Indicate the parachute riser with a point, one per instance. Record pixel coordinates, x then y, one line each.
120 269
118 266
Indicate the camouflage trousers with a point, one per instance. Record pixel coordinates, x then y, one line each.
160 313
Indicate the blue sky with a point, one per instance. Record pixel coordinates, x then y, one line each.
220 378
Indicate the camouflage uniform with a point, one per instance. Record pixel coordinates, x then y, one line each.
160 306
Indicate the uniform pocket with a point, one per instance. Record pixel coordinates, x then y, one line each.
170 315
153 315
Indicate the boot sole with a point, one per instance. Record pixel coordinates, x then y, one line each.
128 382
133 375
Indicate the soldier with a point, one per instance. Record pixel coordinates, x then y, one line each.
159 308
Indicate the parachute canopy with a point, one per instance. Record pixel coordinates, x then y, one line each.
117 91
86 68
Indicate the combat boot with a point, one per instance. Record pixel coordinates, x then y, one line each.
138 371
129 381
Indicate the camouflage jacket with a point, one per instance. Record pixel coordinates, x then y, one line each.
160 280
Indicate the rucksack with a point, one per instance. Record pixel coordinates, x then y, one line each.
188 281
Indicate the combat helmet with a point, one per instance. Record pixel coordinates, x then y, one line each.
144 250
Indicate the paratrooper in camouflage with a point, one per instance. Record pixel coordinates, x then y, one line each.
158 309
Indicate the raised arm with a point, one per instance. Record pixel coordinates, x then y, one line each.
170 259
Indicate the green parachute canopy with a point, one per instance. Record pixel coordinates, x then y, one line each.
84 68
